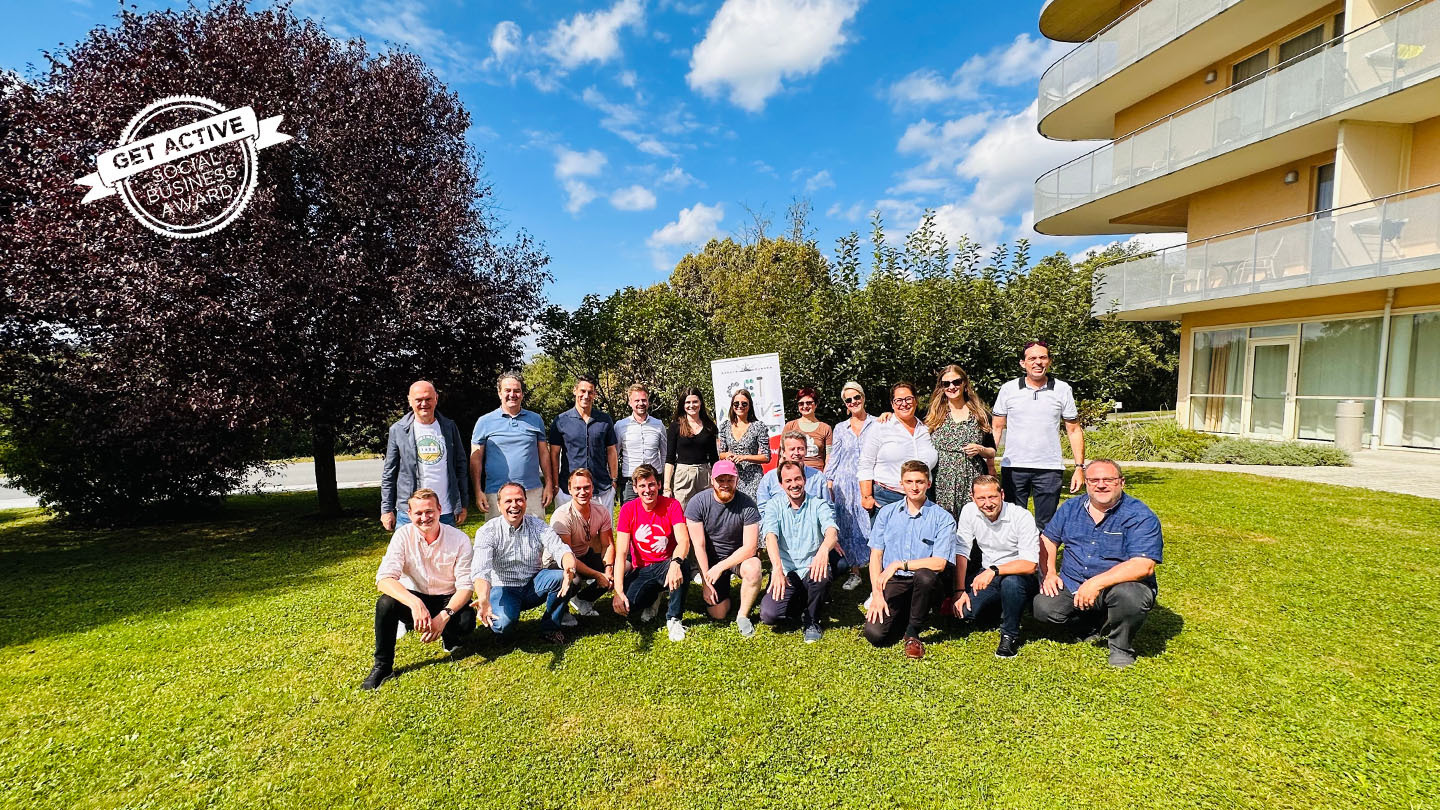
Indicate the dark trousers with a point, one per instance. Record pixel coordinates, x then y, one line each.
1011 592
910 600
804 600
628 493
646 583
391 612
1118 613
591 592
1022 483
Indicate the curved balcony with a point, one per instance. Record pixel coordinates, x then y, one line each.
1366 67
1357 247
1077 20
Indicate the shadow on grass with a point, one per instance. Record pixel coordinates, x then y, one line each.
64 579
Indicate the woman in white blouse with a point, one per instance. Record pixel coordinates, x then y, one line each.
889 445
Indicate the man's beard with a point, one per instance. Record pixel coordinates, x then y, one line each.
724 496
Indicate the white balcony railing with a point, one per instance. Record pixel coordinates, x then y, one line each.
1139 33
1397 51
1387 236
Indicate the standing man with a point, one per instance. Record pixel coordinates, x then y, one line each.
910 544
793 446
585 528
584 438
1032 407
724 527
508 444
509 573
424 451
640 439
800 533
651 547
423 585
1009 546
1106 582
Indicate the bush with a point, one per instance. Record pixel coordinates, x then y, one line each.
1279 454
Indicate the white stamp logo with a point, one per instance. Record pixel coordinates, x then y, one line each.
186 166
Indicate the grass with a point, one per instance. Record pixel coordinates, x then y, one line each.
1290 665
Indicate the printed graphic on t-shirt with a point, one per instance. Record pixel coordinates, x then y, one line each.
430 450
652 543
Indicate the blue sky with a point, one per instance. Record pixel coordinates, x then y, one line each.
623 133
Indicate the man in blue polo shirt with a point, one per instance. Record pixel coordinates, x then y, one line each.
508 444
792 448
1106 582
799 533
585 437
1028 412
910 544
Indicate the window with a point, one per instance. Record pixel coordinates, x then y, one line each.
1324 187
1298 46
1412 383
1216 368
1338 360
1246 69
1337 28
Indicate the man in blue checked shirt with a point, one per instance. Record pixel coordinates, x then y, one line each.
910 544
1105 585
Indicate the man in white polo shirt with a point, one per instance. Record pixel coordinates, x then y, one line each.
1028 412
1009 546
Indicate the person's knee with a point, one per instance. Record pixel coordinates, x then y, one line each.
771 613
1052 609
388 604
718 611
750 571
1131 599
875 633
925 578
1016 586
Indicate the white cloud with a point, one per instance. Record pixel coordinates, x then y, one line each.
957 220
752 46
633 198
627 78
626 121
578 194
699 223
1140 241
818 181
1007 158
850 214
677 178
593 36
1020 61
941 143
570 163
398 22
504 40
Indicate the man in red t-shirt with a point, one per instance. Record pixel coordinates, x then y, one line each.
652 544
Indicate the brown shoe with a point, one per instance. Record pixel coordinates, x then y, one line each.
553 637
914 649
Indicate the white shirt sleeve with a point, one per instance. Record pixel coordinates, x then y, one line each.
1000 406
869 454
392 566
1068 411
1028 536
482 557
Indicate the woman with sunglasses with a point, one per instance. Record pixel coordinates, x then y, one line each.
817 434
692 448
959 425
745 440
841 464
890 445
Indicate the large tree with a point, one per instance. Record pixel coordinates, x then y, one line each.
367 257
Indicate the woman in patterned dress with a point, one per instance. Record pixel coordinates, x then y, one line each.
851 519
959 426
745 440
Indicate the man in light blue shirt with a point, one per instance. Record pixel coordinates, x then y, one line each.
910 544
509 444
799 533
792 448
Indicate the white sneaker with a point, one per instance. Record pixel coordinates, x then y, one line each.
566 620
698 579
399 634
654 610
677 630
853 582
584 607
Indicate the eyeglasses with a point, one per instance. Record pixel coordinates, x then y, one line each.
902 401
1106 481
952 383
806 402
853 400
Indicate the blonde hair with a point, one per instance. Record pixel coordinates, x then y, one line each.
940 404
851 384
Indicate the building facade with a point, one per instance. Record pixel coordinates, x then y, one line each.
1296 143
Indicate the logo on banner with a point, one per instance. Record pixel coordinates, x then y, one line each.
186 166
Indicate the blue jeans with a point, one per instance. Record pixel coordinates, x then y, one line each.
643 584
1021 483
507 602
1012 591
884 496
402 517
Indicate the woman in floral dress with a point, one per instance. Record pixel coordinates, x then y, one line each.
959 426
851 519
745 440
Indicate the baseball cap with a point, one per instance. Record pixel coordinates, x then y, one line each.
724 467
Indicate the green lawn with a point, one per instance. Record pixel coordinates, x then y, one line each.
1291 663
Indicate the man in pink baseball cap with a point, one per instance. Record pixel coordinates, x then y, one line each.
724 526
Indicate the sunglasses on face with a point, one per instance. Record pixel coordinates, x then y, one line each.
853 400
952 383
739 403
806 403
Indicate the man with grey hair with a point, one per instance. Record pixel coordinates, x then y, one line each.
793 446
423 451
509 444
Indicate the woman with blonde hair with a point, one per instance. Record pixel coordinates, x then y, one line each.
841 465
959 426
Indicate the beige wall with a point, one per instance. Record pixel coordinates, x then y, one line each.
1424 153
1255 200
1363 12
1371 160
1193 88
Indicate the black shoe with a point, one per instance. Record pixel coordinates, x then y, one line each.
1009 645
378 675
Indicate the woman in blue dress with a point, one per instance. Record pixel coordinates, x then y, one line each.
851 519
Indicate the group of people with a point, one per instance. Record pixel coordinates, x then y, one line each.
913 505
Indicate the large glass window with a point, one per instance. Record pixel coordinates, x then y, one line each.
1339 360
1412 382
1291 48
1324 187
1217 365
1249 68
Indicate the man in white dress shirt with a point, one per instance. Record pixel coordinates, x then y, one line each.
641 439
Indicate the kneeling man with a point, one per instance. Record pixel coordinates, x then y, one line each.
422 582
509 570
651 547
799 533
1009 547
724 526
585 526
910 544
1106 582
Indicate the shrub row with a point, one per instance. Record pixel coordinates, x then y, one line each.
1167 441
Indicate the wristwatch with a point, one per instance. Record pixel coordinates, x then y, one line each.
449 614
996 569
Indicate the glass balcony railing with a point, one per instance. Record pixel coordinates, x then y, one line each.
1399 50
1139 33
1388 236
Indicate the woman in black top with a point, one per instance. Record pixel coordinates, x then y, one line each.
693 447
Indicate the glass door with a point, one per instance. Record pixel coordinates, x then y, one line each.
1270 389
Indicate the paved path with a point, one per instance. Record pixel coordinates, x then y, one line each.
1382 470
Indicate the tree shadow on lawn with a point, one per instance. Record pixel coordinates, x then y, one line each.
63 579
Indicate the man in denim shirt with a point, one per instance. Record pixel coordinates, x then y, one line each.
910 544
1112 545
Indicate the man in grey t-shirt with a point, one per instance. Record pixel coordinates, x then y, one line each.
724 528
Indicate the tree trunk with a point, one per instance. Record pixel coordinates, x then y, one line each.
327 493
